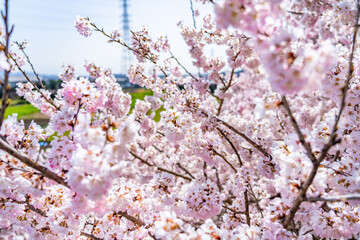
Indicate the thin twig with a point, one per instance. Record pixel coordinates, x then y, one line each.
204 170
222 81
227 87
296 13
247 210
16 168
75 119
232 210
332 140
232 146
185 170
159 150
6 87
258 147
231 77
305 144
221 102
225 160
335 170
256 200
193 13
160 133
96 28
159 168
182 66
42 213
213 95
26 203
131 218
30 63
91 236
50 101
218 183
27 161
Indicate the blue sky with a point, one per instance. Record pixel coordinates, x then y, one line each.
48 26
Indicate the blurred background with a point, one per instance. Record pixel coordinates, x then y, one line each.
48 27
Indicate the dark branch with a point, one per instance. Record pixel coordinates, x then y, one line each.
258 147
247 210
131 218
90 236
26 203
232 146
27 161
185 170
50 101
306 145
225 160
334 198
6 87
30 63
332 140
159 168
193 13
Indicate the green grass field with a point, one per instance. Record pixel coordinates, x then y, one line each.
22 110
140 94
27 112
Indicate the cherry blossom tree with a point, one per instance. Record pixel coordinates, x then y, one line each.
272 153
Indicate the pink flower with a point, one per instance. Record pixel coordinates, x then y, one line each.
203 200
83 25
115 36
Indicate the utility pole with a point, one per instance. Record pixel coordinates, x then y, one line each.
126 55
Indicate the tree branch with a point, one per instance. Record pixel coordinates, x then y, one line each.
305 144
131 218
30 63
232 210
225 160
27 203
97 29
159 168
218 180
90 236
246 138
182 66
193 13
301 196
43 214
334 198
247 210
256 200
221 102
232 145
6 87
332 140
185 170
50 101
27 161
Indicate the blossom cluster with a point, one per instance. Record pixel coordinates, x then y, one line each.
271 153
83 26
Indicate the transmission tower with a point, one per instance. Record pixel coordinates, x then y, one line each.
126 55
